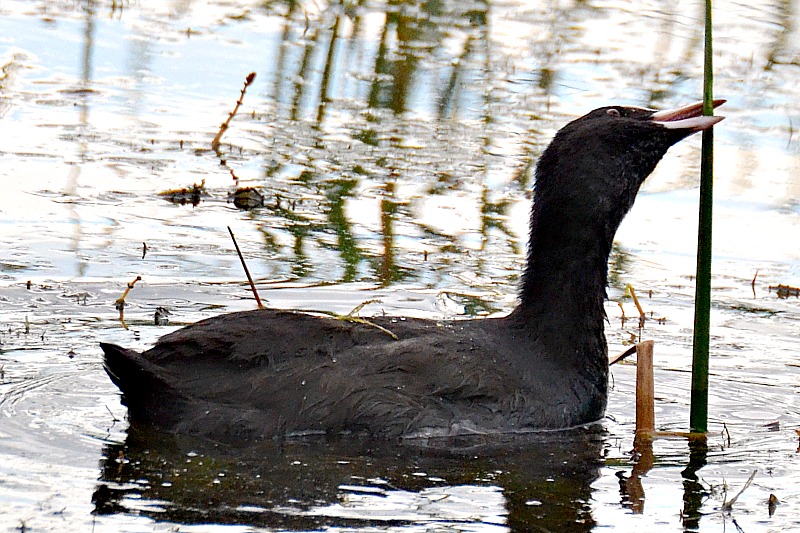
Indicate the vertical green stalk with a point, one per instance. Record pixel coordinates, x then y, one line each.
698 418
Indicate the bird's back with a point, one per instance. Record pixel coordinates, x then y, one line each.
265 373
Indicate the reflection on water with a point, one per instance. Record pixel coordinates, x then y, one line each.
440 109
693 490
524 484
392 145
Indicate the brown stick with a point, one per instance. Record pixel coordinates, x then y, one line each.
224 127
617 358
246 271
645 401
636 301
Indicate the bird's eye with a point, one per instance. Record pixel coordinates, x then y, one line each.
613 113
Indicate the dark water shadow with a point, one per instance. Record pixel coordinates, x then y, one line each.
544 481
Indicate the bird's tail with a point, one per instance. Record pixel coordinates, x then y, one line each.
146 387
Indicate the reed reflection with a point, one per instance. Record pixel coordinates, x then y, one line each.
694 493
411 35
632 490
84 94
425 95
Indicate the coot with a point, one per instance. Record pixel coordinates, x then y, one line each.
267 373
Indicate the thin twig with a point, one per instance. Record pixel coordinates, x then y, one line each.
350 317
224 127
727 506
359 320
114 418
361 306
246 271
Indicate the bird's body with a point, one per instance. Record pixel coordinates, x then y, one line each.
266 373
438 378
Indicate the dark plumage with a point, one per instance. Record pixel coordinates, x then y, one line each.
266 373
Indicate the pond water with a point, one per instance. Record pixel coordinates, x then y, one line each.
391 145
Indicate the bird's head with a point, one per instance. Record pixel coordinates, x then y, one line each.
596 163
622 128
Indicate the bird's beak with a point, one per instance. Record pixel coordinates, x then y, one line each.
689 117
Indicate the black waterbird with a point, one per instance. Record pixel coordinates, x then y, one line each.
264 373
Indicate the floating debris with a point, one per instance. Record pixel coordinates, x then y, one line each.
247 198
187 195
785 291
80 297
161 316
772 504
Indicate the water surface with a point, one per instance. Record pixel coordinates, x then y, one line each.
393 146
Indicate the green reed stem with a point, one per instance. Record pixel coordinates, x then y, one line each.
698 418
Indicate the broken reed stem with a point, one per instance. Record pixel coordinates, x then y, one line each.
645 401
222 129
120 303
121 299
632 292
645 391
246 271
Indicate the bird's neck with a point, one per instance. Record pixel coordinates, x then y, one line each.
564 284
